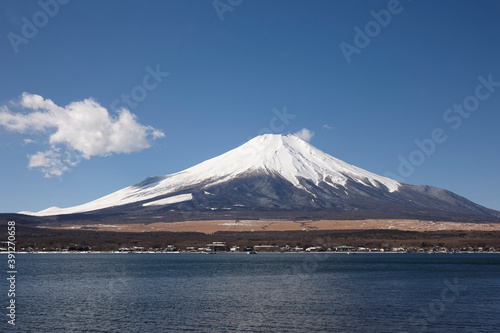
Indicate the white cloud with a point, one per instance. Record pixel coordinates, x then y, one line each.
49 161
304 134
28 141
82 129
328 126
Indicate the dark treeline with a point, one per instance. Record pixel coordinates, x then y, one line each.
31 236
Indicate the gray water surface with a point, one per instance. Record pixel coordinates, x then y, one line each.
236 292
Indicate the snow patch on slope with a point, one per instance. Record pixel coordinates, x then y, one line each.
170 200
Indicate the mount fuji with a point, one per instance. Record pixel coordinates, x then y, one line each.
275 176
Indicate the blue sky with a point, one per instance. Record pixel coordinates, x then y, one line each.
203 80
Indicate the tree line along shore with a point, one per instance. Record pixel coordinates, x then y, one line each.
321 240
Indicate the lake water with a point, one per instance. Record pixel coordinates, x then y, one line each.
327 292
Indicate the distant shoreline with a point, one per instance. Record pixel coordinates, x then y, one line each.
244 252
244 234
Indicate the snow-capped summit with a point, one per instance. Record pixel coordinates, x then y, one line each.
271 172
294 158
285 155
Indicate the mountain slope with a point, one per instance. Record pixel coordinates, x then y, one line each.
277 173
